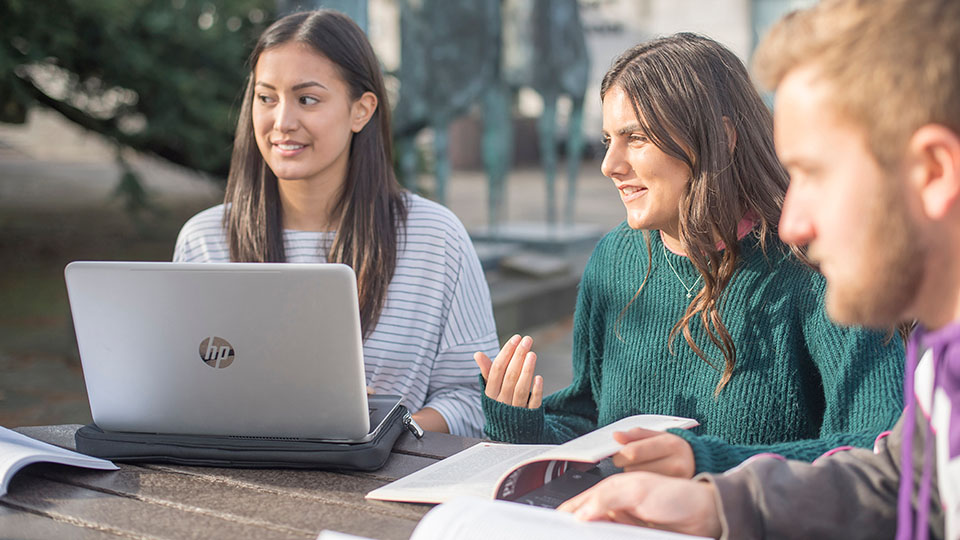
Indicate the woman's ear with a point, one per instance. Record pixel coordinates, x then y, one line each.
362 110
731 133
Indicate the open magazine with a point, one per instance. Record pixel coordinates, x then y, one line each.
511 471
468 518
17 451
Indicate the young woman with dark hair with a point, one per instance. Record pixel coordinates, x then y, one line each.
690 149
311 181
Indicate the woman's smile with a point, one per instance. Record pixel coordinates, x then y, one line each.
630 193
288 148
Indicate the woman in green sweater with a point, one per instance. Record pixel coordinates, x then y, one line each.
692 307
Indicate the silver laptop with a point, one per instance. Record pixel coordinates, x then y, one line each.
238 349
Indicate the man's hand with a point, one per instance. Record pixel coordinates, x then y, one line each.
654 451
650 500
510 377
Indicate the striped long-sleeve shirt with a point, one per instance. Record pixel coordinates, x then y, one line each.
436 314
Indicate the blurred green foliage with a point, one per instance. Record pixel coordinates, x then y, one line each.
160 76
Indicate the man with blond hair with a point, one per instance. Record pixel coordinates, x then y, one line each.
867 122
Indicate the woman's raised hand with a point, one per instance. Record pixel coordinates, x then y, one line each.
510 376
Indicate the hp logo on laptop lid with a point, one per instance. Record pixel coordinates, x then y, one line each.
216 352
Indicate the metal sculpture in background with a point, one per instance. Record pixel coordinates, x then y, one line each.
452 56
449 56
560 66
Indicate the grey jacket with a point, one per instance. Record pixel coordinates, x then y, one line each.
853 494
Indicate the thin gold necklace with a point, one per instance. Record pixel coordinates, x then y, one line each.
684 285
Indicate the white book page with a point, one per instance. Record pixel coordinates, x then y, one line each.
599 444
474 471
477 519
18 450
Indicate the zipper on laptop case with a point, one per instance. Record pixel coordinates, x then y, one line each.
412 426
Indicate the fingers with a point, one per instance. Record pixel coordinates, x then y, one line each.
511 374
650 500
536 395
484 362
624 516
662 453
511 377
370 391
619 498
574 503
635 434
499 366
609 497
636 455
521 392
666 466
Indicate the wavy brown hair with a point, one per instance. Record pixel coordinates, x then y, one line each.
694 100
371 208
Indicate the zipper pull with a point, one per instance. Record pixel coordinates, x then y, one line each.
412 426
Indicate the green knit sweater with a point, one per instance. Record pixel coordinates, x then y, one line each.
801 385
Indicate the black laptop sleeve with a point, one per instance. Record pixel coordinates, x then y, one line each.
230 451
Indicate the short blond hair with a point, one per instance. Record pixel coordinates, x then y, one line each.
892 65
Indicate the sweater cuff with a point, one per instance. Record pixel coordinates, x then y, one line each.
511 424
707 458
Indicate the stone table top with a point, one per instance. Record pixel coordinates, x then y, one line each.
142 501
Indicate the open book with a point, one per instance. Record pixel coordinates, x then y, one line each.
17 451
468 518
511 471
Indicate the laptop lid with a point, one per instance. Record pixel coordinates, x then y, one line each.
244 349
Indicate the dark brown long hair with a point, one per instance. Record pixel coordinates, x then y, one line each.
371 208
688 92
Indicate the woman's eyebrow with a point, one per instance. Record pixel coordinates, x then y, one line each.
295 87
307 84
